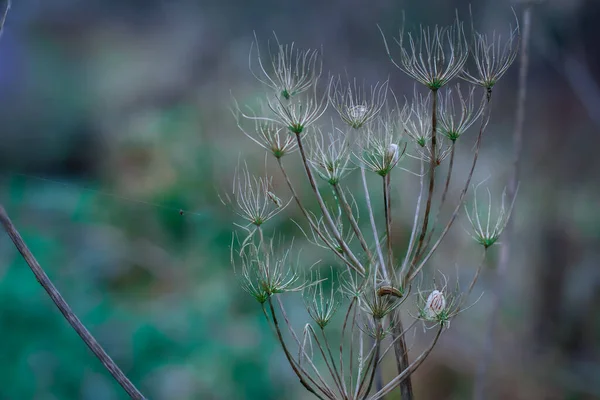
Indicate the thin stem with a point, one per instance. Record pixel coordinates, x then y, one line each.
388 220
336 234
291 361
373 226
444 194
413 232
463 193
375 362
431 178
402 362
353 222
337 375
342 342
325 389
477 272
313 226
409 370
65 309
482 371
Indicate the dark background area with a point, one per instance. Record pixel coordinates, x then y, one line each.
116 114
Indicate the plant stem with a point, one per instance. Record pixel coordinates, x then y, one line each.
405 375
388 220
313 226
463 193
353 222
291 361
444 194
336 234
66 310
373 225
401 353
431 179
480 381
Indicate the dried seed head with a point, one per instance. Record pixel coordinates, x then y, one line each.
433 56
321 306
270 136
492 56
418 122
381 149
298 114
456 116
330 155
252 198
488 232
355 104
265 272
289 71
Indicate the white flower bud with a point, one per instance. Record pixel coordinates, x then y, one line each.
436 303
393 152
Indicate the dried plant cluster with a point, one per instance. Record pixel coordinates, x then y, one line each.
374 137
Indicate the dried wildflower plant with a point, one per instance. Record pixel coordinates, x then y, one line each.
373 277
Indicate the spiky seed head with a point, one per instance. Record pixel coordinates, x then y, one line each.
492 56
432 57
457 112
288 71
485 231
355 103
321 306
330 155
252 198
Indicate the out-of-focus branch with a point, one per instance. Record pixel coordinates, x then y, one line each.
65 309
480 380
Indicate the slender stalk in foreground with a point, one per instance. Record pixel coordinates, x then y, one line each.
480 380
65 309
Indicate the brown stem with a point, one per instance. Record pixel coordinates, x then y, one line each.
401 353
291 361
65 309
404 375
431 179
444 194
353 222
313 226
388 220
463 193
375 362
336 234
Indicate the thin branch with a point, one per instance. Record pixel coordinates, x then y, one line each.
431 179
336 234
408 371
313 226
289 357
388 220
463 193
373 226
353 222
65 309
444 194
480 381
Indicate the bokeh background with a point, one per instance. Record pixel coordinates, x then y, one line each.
115 115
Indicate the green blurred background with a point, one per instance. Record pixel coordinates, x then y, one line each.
116 114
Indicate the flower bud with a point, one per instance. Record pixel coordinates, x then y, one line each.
393 153
436 303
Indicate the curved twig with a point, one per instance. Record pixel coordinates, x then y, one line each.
65 309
